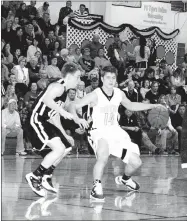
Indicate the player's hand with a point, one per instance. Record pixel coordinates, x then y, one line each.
81 122
70 140
66 115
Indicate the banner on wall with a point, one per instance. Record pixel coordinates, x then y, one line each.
131 4
156 13
150 14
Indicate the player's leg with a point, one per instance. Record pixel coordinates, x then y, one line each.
102 154
132 164
34 179
130 154
47 177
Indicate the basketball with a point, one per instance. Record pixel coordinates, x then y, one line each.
158 117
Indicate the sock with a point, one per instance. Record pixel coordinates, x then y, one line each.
40 171
96 181
50 170
124 177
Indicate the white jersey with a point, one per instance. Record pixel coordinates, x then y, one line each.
105 113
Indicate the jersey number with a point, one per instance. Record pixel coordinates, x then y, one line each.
109 119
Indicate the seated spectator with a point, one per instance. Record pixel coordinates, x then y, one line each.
77 54
19 41
11 81
21 72
128 122
163 88
81 13
80 93
86 62
45 24
148 133
64 11
63 58
11 127
119 62
93 74
5 8
32 11
37 29
149 75
173 100
93 86
29 31
53 72
100 60
153 94
131 93
145 88
71 96
33 49
43 63
46 47
56 49
141 53
8 32
178 80
9 94
16 56
71 55
43 82
167 138
94 46
163 68
8 57
4 70
177 120
15 23
31 95
43 10
33 70
22 14
52 38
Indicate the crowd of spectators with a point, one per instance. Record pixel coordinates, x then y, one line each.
34 52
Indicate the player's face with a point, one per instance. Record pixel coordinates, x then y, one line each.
109 80
73 80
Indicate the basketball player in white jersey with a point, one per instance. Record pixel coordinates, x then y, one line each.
47 135
106 136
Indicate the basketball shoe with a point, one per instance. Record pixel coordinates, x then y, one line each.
47 183
35 184
97 192
130 183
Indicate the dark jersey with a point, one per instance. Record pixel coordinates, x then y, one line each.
44 112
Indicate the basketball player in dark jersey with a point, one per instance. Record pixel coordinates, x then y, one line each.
47 135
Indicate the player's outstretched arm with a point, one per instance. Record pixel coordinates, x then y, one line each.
74 106
136 106
53 91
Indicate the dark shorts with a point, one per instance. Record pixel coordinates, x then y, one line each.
41 131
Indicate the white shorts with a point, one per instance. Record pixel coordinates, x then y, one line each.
118 140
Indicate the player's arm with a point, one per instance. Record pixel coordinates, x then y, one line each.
74 106
136 106
53 91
